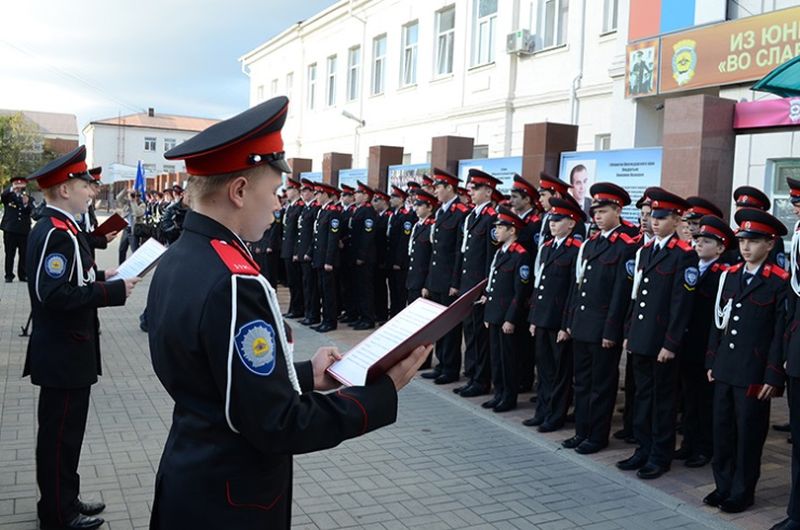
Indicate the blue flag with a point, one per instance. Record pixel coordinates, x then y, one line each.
139 183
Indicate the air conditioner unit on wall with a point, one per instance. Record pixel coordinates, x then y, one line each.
521 42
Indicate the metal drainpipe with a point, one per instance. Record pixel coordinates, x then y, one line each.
362 94
512 87
575 104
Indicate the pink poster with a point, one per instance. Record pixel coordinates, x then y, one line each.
783 112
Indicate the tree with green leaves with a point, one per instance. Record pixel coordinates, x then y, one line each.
22 148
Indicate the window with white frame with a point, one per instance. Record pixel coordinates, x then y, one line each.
273 89
777 171
483 31
406 158
610 10
168 168
312 85
445 37
260 92
378 64
353 72
169 143
149 169
480 151
289 83
408 74
553 22
330 92
602 142
149 143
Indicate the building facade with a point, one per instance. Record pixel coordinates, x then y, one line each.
145 136
392 72
59 131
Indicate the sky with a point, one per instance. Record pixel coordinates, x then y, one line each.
99 58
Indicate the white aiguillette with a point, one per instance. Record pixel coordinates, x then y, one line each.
140 262
422 322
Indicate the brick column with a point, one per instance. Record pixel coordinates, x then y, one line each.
446 151
542 146
380 158
332 163
699 144
299 165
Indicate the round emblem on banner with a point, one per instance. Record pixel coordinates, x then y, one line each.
794 109
255 344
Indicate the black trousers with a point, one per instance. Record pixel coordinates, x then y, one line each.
413 294
310 291
294 277
448 348
477 360
630 394
364 281
793 395
381 294
347 290
327 288
555 377
397 290
62 423
698 399
15 244
273 264
740 430
526 362
503 351
654 410
596 381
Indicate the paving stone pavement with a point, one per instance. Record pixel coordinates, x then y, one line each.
446 463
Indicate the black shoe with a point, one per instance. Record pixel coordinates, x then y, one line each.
324 328
715 498
651 471
505 406
783 427
90 508
80 522
697 461
572 443
23 278
681 454
293 315
548 427
348 319
445 379
588 447
492 403
786 524
474 390
309 322
634 462
459 389
9 280
364 325
622 434
433 374
533 422
735 505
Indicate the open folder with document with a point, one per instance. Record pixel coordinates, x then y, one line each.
422 322
140 262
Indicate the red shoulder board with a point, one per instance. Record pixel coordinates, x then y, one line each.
300 202
63 225
673 242
573 242
236 262
430 220
594 236
489 211
627 223
546 243
628 239
735 268
519 249
770 269
717 266
535 218
460 206
404 211
685 245
613 237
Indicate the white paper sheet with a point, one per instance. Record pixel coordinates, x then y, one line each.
356 362
139 261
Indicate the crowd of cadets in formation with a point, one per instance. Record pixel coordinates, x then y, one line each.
703 314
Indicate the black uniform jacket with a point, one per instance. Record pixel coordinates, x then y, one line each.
481 244
363 227
326 236
305 230
446 238
238 419
64 347
659 314
402 223
598 304
274 240
791 350
419 260
530 232
16 214
509 287
345 240
750 350
382 221
695 342
290 232
549 300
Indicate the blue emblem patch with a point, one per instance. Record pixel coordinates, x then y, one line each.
524 272
334 224
536 238
630 267
781 260
255 344
407 227
277 214
690 276
577 237
368 224
55 265
493 233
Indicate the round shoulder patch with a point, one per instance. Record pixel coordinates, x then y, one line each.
524 272
690 276
55 265
577 237
255 344
368 224
407 227
780 259
334 224
630 266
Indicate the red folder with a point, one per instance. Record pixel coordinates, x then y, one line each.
754 390
115 223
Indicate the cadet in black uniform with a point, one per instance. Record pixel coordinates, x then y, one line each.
508 288
63 356
442 283
303 250
662 296
294 273
428 185
380 201
699 207
362 236
550 186
325 259
792 365
745 359
400 225
16 225
347 279
419 244
478 245
750 197
549 316
597 307
242 406
711 239
88 222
